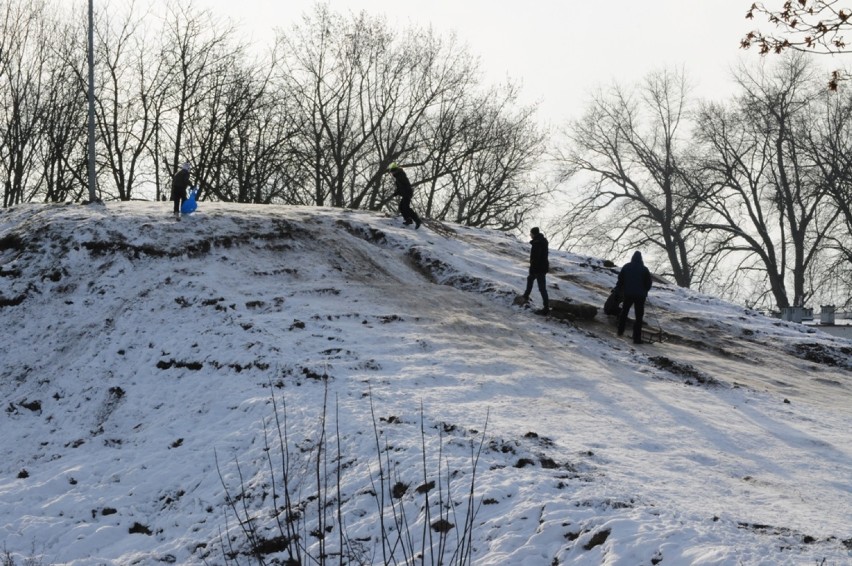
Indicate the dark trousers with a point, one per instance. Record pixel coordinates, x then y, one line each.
638 304
405 209
178 197
540 278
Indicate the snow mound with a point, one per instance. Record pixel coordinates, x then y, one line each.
149 365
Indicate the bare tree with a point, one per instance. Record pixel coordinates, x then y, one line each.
231 96
803 25
25 28
353 84
262 152
369 96
196 48
429 108
769 212
630 154
308 67
64 145
246 151
482 162
815 26
131 80
829 144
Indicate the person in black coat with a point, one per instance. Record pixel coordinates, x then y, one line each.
180 182
404 190
539 265
634 280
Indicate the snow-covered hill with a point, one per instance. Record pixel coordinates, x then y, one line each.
140 358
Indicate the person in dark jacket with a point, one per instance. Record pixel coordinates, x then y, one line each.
180 182
539 266
404 190
634 280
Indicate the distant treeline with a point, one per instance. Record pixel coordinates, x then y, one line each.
313 119
748 198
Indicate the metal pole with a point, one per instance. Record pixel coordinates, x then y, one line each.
93 197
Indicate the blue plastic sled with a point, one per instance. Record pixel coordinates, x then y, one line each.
189 205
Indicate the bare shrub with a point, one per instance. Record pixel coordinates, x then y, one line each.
423 523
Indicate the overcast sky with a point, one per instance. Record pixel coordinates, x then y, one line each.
559 50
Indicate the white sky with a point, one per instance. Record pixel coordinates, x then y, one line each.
559 50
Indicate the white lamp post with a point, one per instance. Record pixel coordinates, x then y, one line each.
93 197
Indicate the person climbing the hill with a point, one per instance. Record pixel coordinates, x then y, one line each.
404 190
180 182
634 279
539 266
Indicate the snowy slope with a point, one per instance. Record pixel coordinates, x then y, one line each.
138 352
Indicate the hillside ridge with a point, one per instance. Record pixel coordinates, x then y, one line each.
142 357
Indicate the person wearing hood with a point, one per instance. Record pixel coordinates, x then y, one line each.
634 280
404 190
180 182
539 265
